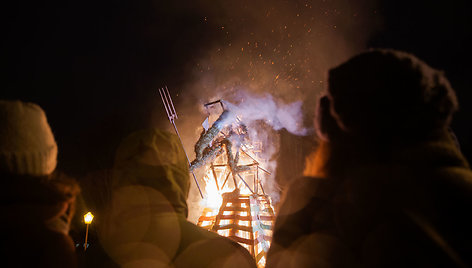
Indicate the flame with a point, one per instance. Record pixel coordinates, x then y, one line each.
213 195
213 198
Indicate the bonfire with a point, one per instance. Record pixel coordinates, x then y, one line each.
235 204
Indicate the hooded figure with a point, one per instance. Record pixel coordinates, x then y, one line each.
36 203
388 186
147 225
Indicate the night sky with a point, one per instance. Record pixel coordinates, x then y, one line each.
94 66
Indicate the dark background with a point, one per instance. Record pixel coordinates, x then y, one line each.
94 66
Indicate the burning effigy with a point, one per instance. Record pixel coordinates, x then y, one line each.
235 204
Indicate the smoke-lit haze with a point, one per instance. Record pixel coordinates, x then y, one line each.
280 50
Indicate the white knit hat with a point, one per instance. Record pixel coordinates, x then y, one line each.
27 145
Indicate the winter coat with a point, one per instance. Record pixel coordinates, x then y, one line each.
147 225
412 210
36 213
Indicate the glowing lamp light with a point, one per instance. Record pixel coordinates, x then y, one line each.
88 220
88 217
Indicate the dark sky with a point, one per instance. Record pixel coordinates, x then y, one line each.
94 66
440 34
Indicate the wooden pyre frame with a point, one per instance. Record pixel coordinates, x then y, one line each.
246 218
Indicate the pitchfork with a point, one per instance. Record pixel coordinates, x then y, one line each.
172 115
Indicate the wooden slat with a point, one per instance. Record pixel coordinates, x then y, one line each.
266 227
235 217
239 217
206 218
265 218
260 255
233 209
233 226
242 240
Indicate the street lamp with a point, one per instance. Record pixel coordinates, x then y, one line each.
88 220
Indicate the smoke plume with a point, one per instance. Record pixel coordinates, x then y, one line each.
249 108
269 59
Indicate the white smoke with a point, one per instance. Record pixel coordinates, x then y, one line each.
274 113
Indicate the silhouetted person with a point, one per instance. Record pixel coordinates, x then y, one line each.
387 186
147 225
36 203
